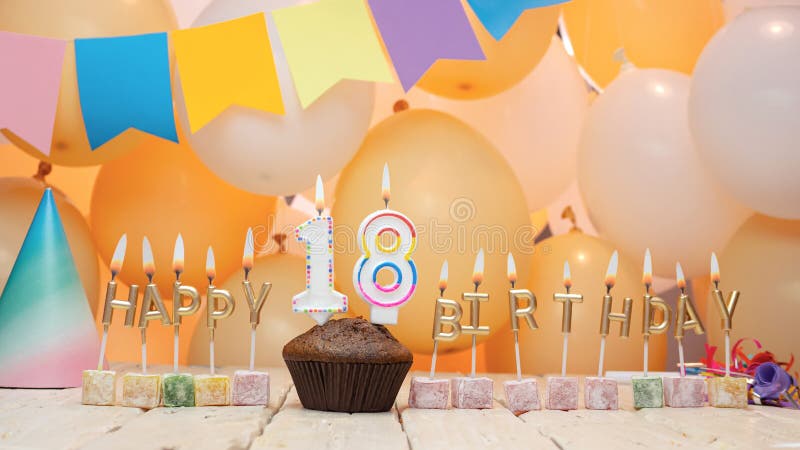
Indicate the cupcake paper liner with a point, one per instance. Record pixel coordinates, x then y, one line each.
347 387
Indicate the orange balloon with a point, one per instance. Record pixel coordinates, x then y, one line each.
161 189
668 34
19 198
461 195
81 19
507 62
540 350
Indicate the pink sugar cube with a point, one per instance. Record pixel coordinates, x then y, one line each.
600 393
562 393
684 392
250 388
522 395
428 393
472 393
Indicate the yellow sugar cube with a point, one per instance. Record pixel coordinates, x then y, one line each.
727 392
212 390
141 391
99 387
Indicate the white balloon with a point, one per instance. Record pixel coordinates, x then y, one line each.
744 109
535 124
642 180
276 154
733 8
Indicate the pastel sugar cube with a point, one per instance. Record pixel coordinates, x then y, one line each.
562 393
250 388
684 392
428 393
471 393
178 389
648 392
522 395
600 393
727 392
141 391
211 390
99 387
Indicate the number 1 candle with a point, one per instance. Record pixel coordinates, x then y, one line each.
385 300
319 300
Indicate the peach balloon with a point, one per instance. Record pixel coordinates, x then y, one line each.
668 34
278 323
81 19
761 262
161 189
460 193
540 350
507 62
19 198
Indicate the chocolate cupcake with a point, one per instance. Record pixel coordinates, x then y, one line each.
347 365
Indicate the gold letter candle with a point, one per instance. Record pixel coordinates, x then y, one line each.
214 311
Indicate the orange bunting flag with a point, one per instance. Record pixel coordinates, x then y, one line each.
224 64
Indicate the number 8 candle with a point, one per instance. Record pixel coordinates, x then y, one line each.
385 299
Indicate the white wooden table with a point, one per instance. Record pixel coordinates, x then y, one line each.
44 419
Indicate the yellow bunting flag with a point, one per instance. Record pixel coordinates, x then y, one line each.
328 41
225 64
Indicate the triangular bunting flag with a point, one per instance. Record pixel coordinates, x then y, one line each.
29 83
124 82
498 16
418 32
328 41
225 64
47 334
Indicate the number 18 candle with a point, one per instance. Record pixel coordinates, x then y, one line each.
385 299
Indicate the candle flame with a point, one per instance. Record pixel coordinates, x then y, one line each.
249 250
177 255
567 276
611 272
511 269
443 276
119 255
385 184
211 270
714 268
679 276
148 264
477 271
319 200
647 276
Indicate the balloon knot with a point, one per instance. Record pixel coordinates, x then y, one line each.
400 105
43 170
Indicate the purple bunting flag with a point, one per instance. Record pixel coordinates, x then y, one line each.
419 32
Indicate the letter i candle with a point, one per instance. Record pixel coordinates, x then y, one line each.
683 391
600 392
179 387
648 392
144 390
473 392
522 395
727 391
250 387
562 392
213 389
428 392
99 386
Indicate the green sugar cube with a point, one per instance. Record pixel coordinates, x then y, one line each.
648 392
178 389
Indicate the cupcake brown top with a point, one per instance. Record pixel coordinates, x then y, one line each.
347 341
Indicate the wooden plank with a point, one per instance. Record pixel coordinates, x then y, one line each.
297 428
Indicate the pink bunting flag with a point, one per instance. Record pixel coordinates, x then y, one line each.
29 84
